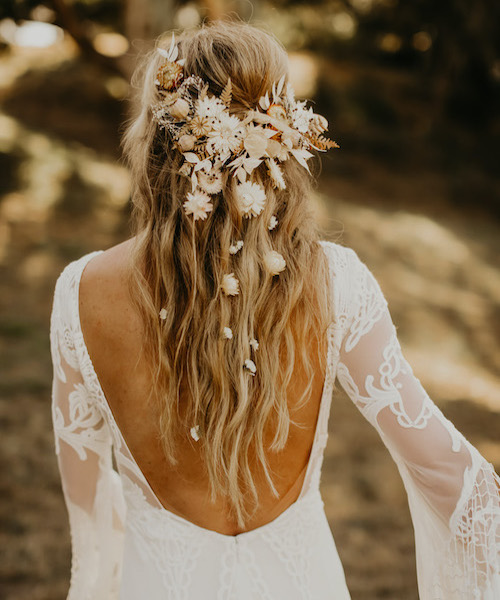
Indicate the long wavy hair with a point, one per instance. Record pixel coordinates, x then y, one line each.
178 264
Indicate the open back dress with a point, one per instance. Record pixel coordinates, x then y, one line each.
127 546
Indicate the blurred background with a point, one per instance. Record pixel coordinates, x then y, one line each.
412 94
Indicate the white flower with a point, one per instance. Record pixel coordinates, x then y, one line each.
228 333
211 182
195 432
250 199
163 314
302 117
249 365
274 262
226 135
256 141
198 204
236 247
210 107
273 221
254 344
301 123
230 285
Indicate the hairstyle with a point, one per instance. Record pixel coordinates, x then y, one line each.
179 263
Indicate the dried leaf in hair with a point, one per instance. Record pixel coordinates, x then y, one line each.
201 151
322 143
204 91
264 101
227 93
279 86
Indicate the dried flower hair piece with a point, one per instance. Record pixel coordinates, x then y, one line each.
254 344
273 221
236 247
230 285
250 199
198 204
212 141
274 262
249 365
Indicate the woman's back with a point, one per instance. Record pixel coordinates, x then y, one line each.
127 545
113 334
200 359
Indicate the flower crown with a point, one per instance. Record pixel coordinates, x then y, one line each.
211 139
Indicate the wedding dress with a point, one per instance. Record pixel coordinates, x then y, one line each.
126 545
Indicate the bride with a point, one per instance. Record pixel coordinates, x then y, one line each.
194 363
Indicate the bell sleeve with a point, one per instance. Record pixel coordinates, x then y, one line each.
453 492
91 487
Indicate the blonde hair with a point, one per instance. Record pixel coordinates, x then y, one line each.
179 265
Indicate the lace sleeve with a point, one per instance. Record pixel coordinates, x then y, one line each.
453 492
91 487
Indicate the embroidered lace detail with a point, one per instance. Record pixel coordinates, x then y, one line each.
83 441
294 539
453 492
237 554
472 556
228 565
338 272
170 544
85 428
370 304
62 334
260 589
454 495
385 390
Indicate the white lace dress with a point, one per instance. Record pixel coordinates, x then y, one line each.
126 546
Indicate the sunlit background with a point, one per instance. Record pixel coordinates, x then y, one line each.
411 91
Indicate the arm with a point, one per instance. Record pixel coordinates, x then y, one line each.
91 487
453 492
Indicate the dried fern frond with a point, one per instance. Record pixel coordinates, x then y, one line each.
226 95
204 91
322 143
201 150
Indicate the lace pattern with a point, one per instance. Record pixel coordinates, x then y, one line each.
171 545
174 545
293 540
83 445
471 570
84 429
453 492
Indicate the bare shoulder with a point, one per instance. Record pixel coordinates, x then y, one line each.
108 262
104 294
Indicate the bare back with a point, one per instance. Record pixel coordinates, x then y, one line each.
113 334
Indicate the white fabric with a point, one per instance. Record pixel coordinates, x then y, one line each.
126 546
